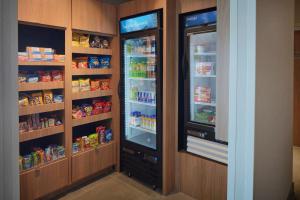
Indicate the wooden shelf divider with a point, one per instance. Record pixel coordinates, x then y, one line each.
28 110
41 86
94 51
91 119
31 135
107 71
91 94
41 63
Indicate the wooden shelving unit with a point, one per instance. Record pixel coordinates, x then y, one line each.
92 51
41 63
41 86
31 135
81 72
91 119
28 110
91 94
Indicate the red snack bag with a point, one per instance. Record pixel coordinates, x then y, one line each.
104 84
57 75
44 76
107 107
97 108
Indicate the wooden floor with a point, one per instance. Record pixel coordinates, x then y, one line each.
296 171
119 187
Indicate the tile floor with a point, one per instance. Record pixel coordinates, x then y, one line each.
296 172
119 187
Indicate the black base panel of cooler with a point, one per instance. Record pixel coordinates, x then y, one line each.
136 166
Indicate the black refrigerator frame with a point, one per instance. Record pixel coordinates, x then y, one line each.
185 125
136 159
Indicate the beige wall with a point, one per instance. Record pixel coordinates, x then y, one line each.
297 13
274 99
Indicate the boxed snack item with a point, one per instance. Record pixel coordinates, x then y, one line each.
84 85
57 75
32 78
59 57
48 96
95 85
104 61
47 54
34 53
75 86
93 62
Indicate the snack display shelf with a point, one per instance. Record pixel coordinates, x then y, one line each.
91 119
205 104
142 103
31 135
28 110
47 164
99 147
92 51
206 54
107 71
41 86
205 76
143 129
91 94
41 63
142 79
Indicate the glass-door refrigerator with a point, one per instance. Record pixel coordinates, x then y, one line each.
198 86
141 97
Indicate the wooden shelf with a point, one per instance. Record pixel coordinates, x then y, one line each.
92 71
31 135
91 94
41 86
28 110
94 51
99 147
91 119
41 63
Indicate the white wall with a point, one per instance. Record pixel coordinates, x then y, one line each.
274 99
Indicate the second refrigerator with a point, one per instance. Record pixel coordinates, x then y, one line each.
141 97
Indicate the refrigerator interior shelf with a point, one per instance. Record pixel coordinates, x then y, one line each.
142 103
142 79
205 76
143 129
206 104
141 55
205 54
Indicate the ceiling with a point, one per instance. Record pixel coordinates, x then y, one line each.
115 1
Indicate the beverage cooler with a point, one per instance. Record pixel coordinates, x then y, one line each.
198 91
141 97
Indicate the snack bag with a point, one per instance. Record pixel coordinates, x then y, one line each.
104 61
87 109
107 107
98 107
44 76
48 96
74 65
75 86
22 56
82 62
57 75
93 138
32 78
75 39
84 85
101 134
22 76
36 99
95 85
23 100
84 40
93 62
58 98
105 84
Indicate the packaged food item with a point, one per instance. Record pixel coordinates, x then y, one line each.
105 44
202 94
75 86
23 100
87 109
48 156
84 40
84 85
22 56
101 132
107 107
34 53
59 57
48 96
98 107
51 122
44 76
104 61
95 85
86 142
75 39
32 78
93 62
36 99
77 113
60 152
22 76
74 65
58 98
23 127
82 62
75 147
104 84
57 75
27 162
58 122
95 41
20 163
93 139
204 68
108 135
47 54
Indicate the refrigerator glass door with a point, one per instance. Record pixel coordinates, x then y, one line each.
140 90
202 76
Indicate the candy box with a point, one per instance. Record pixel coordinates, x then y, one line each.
59 57
34 53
